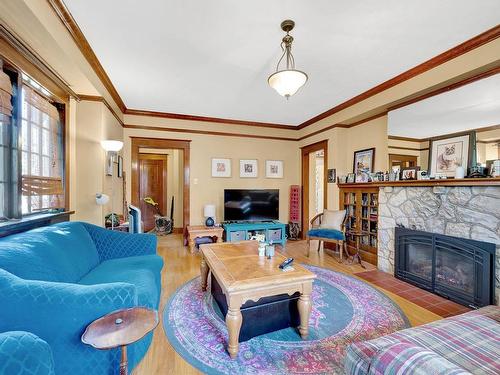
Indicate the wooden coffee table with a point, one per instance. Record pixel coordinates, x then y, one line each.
243 276
119 329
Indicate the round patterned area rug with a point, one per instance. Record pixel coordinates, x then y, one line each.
345 310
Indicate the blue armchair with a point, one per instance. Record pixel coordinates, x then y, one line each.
325 234
56 280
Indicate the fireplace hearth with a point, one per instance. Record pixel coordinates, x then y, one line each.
461 270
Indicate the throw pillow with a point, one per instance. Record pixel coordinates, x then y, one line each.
332 219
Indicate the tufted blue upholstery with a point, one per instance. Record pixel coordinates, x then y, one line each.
332 234
23 353
58 312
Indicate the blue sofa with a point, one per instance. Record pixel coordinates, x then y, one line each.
56 280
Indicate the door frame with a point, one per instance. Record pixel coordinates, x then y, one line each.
161 143
305 151
162 157
402 156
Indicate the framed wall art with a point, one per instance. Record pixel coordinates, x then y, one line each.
274 168
248 168
446 154
221 167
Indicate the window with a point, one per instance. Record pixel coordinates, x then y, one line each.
31 148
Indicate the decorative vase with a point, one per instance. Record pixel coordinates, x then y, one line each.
209 222
459 172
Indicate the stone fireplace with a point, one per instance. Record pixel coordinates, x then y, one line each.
468 212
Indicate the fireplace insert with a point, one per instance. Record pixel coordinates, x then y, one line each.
459 269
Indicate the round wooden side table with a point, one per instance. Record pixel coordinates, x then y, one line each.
357 236
119 329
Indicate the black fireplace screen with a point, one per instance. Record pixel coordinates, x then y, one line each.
459 269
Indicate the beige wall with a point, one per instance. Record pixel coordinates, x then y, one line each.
205 189
92 123
342 142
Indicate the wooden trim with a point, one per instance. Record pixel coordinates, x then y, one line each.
101 99
206 132
477 130
408 148
76 33
184 145
450 87
491 181
356 123
20 55
323 130
305 151
442 58
177 116
488 142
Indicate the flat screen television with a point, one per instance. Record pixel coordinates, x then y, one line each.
251 205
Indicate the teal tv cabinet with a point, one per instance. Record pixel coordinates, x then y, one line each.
273 230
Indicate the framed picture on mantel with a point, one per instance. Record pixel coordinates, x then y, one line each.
448 153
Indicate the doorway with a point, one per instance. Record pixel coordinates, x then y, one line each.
402 161
152 184
155 166
314 181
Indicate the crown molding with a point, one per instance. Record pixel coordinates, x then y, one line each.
442 58
68 21
100 99
76 33
177 116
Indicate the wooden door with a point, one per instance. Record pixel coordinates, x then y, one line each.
152 183
403 161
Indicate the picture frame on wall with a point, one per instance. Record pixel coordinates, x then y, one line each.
109 165
447 153
274 168
364 161
120 167
332 173
248 168
221 167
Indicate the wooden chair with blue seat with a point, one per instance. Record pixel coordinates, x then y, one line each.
328 226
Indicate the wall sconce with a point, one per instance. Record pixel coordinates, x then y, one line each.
111 147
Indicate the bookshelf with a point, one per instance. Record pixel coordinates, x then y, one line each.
362 215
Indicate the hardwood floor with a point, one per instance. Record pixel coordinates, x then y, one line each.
181 266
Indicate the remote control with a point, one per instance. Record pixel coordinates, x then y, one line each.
286 263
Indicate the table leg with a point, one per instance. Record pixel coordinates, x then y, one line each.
204 273
123 361
357 256
304 306
191 245
233 323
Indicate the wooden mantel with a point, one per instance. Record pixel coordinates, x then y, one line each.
494 181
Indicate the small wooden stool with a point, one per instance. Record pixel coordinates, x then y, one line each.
119 329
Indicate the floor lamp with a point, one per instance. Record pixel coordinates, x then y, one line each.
111 147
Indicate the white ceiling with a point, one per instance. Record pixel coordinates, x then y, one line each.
212 58
472 106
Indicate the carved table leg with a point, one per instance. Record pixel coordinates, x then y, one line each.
233 322
123 361
204 273
304 306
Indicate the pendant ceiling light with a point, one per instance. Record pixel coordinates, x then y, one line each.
287 81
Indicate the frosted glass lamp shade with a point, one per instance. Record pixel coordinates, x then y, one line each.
101 199
209 210
287 82
111 145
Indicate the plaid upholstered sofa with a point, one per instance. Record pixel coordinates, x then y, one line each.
463 344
